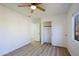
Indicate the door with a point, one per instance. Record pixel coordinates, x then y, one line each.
36 32
47 34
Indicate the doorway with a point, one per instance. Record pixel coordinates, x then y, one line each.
47 32
36 32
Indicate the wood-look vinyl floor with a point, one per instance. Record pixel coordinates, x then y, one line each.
36 49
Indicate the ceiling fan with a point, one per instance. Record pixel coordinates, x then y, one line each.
33 6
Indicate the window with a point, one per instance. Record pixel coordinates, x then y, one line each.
76 27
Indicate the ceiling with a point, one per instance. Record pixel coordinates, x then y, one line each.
51 8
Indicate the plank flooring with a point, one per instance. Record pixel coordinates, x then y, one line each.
36 49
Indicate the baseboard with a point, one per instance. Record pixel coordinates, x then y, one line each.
16 48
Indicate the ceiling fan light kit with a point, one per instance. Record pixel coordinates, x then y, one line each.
33 7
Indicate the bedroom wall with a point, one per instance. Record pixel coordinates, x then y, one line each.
15 30
72 44
59 29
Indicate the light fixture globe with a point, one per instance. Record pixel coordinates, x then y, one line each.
33 7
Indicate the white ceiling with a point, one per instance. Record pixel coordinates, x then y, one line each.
51 8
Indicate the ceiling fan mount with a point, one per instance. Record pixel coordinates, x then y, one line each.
35 3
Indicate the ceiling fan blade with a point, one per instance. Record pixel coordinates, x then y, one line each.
24 5
40 8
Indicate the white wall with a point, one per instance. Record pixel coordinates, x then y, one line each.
14 30
72 45
58 29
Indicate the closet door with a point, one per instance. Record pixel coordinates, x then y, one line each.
47 34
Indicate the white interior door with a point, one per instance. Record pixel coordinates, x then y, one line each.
36 32
47 34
